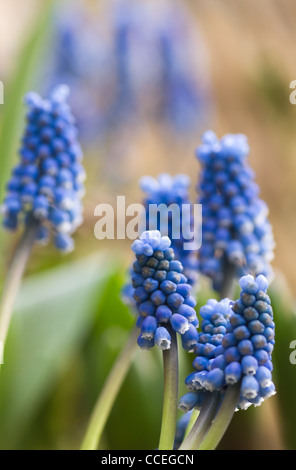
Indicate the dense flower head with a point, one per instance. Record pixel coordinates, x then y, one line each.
241 352
162 294
47 183
173 192
236 229
215 323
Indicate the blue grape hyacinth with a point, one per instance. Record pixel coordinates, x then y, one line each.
47 183
236 229
162 294
215 323
241 353
172 191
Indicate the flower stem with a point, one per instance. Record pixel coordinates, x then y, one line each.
223 418
14 277
170 395
109 393
202 424
227 286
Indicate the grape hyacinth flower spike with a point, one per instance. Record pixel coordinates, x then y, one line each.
45 189
165 308
237 236
237 362
162 294
47 184
173 192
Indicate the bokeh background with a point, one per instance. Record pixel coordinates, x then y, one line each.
146 81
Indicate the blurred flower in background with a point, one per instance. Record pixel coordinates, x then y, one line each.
126 63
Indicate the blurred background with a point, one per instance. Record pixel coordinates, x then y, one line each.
147 79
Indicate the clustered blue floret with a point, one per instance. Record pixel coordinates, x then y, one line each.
47 184
235 346
162 293
236 229
215 320
173 192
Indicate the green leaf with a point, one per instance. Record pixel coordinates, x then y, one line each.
284 371
55 312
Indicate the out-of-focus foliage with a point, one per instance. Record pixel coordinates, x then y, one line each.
55 312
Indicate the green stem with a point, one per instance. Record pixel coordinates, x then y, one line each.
170 395
223 418
227 286
109 393
14 278
202 424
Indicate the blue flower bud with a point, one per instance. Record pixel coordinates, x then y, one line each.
200 363
232 354
63 242
148 327
145 344
241 332
249 387
233 373
175 300
263 376
214 380
179 323
245 347
163 313
187 311
190 338
259 341
168 287
158 297
162 338
150 284
188 401
249 365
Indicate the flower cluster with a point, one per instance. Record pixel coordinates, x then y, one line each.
240 352
47 183
235 225
173 193
215 322
162 294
